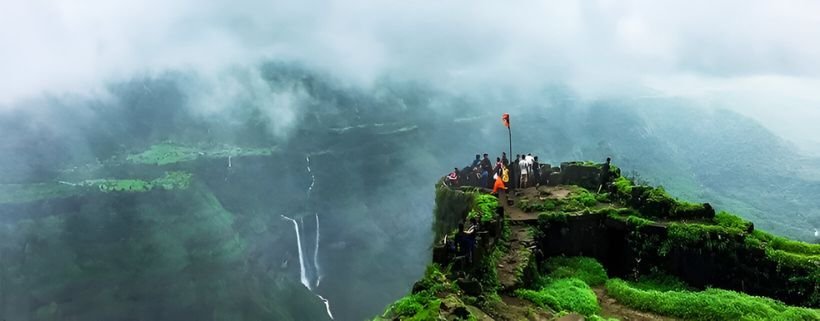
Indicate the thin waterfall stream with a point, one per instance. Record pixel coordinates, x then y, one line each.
302 267
302 276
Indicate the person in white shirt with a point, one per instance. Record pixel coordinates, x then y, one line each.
524 168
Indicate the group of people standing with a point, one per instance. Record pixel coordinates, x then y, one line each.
522 172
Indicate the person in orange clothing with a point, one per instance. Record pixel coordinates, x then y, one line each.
499 184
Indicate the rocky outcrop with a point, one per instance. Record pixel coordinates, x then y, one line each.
701 255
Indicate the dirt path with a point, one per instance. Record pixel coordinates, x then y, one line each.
612 309
516 258
532 194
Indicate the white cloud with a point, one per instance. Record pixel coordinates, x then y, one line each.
595 46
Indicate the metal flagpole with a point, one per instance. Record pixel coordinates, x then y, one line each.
509 134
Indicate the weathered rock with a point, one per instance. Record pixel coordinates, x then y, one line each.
555 179
470 287
572 317
461 312
585 175
441 254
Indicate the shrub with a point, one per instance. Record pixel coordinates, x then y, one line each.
424 304
728 220
787 245
486 273
623 186
550 205
585 198
568 294
711 304
450 209
681 209
409 305
547 218
547 205
578 200
712 236
656 202
637 221
484 207
583 268
660 282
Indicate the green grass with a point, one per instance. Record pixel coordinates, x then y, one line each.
163 154
729 220
171 180
787 245
596 317
569 294
484 207
21 193
170 153
710 236
565 285
660 282
426 303
583 268
623 186
709 305
627 215
451 206
578 200
656 202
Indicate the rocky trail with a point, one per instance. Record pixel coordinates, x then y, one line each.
612 309
517 257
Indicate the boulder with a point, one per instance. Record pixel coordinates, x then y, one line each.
586 175
470 287
555 179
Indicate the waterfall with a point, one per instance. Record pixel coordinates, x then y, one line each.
327 306
302 275
316 268
312 178
316 254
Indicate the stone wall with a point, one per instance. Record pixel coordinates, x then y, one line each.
719 260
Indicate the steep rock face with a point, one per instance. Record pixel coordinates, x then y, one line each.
162 254
635 231
131 252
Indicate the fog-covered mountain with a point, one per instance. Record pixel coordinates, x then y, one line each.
354 169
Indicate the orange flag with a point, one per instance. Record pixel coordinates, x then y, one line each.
506 119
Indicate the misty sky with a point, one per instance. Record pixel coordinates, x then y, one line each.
757 57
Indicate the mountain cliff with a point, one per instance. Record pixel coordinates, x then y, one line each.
631 252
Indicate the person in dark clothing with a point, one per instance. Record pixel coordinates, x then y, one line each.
536 171
476 161
486 169
486 165
465 243
604 174
474 177
504 159
515 172
498 165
